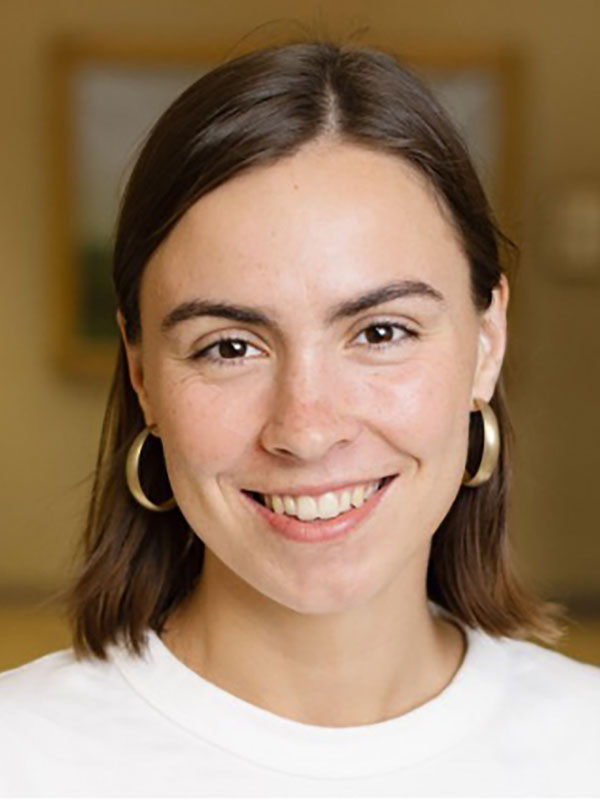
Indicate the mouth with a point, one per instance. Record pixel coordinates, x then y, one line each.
315 529
260 498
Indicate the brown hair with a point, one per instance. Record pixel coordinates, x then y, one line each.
138 565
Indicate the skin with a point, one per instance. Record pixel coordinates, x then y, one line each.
335 633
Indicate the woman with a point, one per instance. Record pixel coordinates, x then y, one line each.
316 597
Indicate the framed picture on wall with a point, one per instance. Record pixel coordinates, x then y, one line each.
106 97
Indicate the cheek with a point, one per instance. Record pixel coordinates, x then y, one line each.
423 405
205 428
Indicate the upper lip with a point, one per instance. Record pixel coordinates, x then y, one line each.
316 490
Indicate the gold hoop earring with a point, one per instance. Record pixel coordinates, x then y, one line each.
133 478
491 445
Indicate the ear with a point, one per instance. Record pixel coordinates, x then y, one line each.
136 371
492 343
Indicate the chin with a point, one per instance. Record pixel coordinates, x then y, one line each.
328 597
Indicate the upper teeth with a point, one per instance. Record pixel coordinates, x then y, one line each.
323 506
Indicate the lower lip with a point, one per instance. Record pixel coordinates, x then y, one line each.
319 530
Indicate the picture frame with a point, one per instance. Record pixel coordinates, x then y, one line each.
106 96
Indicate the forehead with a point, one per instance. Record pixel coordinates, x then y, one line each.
331 219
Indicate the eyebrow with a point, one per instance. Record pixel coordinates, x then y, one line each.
256 316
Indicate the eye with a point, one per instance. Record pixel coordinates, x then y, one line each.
382 331
229 352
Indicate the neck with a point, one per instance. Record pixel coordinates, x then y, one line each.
358 667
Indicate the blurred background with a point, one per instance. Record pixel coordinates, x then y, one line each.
543 137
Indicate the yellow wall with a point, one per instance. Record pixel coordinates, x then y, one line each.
50 424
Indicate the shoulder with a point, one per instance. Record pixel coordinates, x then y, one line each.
57 668
63 719
527 657
522 671
545 680
35 676
56 686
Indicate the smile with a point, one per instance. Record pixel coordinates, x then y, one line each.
317 529
328 505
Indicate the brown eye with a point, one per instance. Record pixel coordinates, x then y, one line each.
225 352
383 333
231 348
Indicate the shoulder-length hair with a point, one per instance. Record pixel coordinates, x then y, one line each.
138 566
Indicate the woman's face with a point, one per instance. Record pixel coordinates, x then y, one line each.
309 397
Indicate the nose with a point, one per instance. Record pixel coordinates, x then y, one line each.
311 413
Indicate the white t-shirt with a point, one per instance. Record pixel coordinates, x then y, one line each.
516 720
